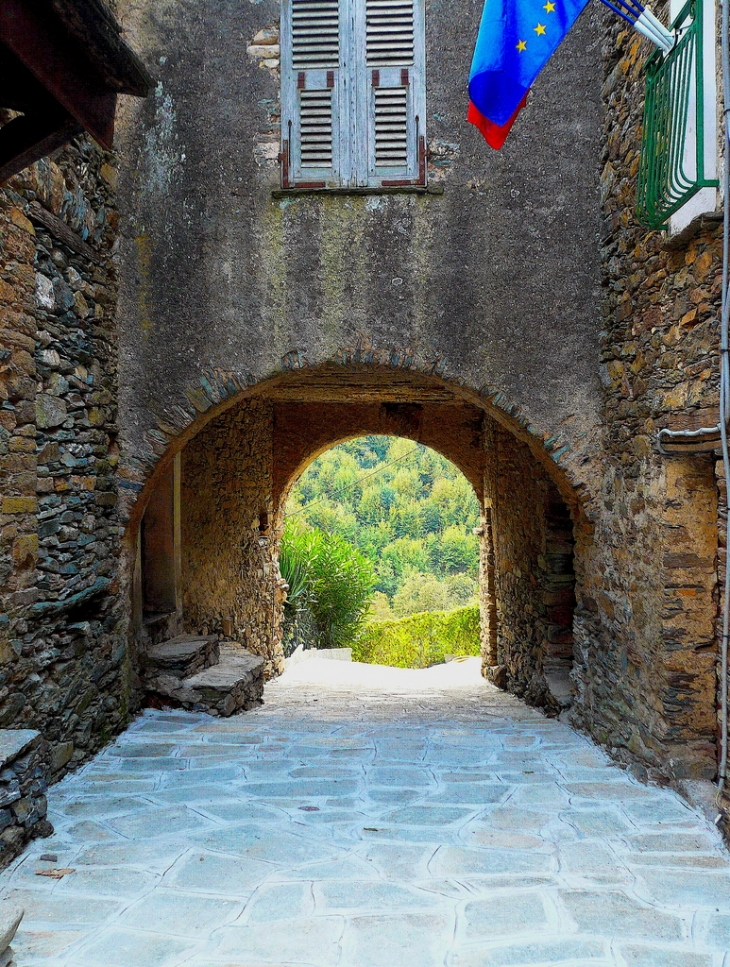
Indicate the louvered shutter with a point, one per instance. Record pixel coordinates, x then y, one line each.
353 93
312 101
394 92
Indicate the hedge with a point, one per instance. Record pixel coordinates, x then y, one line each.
419 640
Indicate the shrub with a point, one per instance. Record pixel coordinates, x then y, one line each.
419 640
330 580
425 592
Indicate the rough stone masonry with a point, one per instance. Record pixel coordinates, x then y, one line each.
64 662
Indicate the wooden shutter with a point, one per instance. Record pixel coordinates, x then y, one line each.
312 105
353 93
395 97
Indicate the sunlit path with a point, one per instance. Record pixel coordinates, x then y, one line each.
369 817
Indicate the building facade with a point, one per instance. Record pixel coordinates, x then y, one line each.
252 291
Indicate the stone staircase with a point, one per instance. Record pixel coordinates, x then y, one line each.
201 674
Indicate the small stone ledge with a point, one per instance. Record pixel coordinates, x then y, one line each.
235 684
24 769
10 917
394 190
702 223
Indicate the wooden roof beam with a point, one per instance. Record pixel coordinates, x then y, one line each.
64 64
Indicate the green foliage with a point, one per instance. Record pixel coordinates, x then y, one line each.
380 609
420 592
329 581
419 640
293 567
404 507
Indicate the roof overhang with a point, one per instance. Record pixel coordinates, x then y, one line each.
62 65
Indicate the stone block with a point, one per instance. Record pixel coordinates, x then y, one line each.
10 916
20 221
183 656
14 742
9 793
50 411
19 505
23 810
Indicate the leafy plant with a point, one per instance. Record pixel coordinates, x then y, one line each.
293 568
330 580
420 640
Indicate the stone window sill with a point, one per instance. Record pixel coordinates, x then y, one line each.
396 190
705 222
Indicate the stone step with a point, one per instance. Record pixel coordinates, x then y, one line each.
235 684
560 683
183 656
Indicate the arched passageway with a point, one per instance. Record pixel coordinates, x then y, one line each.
381 529
234 475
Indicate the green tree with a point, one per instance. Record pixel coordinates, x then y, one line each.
459 551
403 506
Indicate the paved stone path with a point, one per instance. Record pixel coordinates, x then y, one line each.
369 818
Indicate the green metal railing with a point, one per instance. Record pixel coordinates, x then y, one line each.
672 167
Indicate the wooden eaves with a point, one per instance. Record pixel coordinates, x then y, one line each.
62 65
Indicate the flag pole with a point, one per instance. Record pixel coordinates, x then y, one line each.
644 21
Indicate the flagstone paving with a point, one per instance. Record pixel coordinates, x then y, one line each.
368 817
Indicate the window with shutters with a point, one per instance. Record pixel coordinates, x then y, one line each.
353 93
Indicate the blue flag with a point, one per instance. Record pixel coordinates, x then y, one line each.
516 39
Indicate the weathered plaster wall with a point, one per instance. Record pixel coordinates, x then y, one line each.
491 283
229 570
64 663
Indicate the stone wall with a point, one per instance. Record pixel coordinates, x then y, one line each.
533 568
64 666
229 569
24 769
645 643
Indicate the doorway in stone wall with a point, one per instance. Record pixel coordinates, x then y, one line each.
382 535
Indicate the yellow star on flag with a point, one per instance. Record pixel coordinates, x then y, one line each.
539 30
549 6
521 46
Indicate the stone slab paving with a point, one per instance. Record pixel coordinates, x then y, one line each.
368 817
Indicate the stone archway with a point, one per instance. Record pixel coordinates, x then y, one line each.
235 473
239 445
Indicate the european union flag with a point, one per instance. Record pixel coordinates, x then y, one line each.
516 39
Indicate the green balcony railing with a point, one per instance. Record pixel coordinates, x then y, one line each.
672 167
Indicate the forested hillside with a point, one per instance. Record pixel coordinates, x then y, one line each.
406 509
